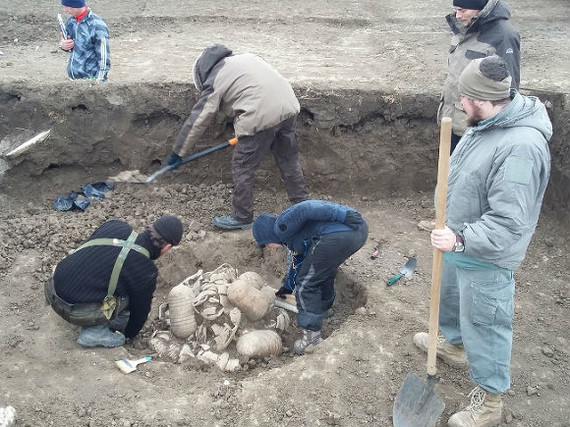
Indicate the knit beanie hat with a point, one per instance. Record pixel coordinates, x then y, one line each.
170 228
470 4
263 229
73 3
474 85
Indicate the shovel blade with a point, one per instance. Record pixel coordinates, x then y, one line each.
417 404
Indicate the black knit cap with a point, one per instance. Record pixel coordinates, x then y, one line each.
170 228
470 4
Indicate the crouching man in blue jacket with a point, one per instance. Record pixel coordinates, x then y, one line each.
321 236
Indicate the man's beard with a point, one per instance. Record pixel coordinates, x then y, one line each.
475 116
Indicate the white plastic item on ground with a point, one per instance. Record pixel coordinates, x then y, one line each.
251 301
26 145
182 318
253 279
7 416
259 343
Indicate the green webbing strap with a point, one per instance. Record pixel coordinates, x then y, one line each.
127 245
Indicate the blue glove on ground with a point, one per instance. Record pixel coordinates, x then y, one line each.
174 160
353 219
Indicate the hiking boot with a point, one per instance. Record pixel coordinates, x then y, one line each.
453 355
426 225
100 336
310 340
228 222
484 410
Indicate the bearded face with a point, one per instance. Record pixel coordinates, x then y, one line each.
473 110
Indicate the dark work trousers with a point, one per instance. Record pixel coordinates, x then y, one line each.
314 288
454 140
86 314
281 140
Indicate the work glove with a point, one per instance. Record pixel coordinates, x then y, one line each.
282 291
353 219
286 288
174 160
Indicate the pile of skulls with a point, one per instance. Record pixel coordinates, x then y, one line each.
221 319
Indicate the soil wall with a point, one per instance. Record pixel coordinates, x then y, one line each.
367 143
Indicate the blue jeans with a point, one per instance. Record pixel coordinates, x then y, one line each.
477 309
314 289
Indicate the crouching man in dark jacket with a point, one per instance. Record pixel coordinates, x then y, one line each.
107 284
320 236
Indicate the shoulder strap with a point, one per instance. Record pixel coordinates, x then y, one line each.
116 242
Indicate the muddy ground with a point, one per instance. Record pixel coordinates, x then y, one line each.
368 77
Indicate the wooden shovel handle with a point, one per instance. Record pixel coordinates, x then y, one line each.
440 206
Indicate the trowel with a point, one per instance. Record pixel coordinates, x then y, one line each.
129 365
406 270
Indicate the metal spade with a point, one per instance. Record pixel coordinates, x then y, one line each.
406 270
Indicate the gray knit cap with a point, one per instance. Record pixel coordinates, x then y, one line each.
474 85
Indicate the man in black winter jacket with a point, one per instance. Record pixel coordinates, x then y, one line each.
480 28
107 284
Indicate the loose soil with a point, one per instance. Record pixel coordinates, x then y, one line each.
368 77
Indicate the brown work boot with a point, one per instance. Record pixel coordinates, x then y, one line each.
453 355
484 410
426 225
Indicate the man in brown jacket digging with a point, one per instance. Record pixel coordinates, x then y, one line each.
264 110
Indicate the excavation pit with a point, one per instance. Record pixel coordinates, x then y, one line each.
368 79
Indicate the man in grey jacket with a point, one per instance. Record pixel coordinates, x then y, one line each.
497 179
264 109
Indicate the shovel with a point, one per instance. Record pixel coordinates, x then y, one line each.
406 270
417 404
187 159
135 177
